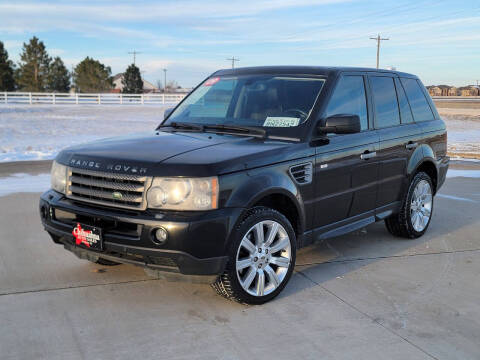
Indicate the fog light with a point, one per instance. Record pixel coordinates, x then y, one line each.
160 236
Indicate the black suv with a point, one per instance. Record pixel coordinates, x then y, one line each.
252 165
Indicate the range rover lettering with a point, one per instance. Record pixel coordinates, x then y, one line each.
252 165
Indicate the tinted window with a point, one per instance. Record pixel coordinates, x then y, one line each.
405 112
420 108
385 100
250 100
349 98
215 100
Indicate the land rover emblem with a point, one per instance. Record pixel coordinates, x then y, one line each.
117 195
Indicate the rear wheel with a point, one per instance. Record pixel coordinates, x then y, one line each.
261 258
414 217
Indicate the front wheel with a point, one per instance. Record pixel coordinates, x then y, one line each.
414 217
261 258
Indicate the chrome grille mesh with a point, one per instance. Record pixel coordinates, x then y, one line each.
116 190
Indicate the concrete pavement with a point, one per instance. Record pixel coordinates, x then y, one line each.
364 295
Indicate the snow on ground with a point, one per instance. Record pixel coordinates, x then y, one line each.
35 132
475 174
24 183
463 127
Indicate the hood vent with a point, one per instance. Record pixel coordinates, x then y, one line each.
302 173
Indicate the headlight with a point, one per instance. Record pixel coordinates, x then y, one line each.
58 177
183 193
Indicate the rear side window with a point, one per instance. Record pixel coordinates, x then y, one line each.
405 112
385 100
420 108
349 99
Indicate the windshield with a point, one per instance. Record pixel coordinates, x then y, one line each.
255 100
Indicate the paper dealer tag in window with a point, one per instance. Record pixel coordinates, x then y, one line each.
281 121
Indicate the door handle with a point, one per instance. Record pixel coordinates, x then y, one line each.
411 146
368 155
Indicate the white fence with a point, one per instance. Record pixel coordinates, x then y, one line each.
98 99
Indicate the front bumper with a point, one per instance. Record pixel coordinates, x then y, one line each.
196 244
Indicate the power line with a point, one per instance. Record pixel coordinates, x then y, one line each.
135 53
233 59
379 39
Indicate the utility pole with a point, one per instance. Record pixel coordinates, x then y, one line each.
233 59
378 39
164 80
135 53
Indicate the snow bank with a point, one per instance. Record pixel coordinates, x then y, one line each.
35 132
24 183
463 133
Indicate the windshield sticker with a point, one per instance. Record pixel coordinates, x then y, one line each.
211 81
281 121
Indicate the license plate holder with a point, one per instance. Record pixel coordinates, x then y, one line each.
88 237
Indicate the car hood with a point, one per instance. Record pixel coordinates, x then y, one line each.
179 154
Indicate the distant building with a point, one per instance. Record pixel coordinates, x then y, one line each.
434 90
148 87
469 90
443 90
452 91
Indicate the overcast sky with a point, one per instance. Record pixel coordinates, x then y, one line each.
437 40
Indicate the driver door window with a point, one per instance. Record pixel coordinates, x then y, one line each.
349 98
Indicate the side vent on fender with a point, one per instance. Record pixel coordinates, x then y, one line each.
302 173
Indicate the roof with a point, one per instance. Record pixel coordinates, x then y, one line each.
313 70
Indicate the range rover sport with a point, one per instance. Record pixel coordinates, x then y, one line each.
252 165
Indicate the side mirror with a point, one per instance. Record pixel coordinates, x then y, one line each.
341 124
167 112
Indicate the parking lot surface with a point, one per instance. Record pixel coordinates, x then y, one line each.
365 295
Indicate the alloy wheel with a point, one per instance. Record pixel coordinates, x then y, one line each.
421 205
263 258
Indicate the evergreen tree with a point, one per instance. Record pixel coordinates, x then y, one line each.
58 76
32 74
7 81
92 76
132 80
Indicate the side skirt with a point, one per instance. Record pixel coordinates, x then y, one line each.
348 225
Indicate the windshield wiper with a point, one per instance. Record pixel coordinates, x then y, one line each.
181 125
242 130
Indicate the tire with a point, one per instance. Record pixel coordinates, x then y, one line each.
106 262
253 263
417 200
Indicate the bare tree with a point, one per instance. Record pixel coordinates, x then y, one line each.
172 85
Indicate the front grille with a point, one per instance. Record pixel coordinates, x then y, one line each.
117 190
